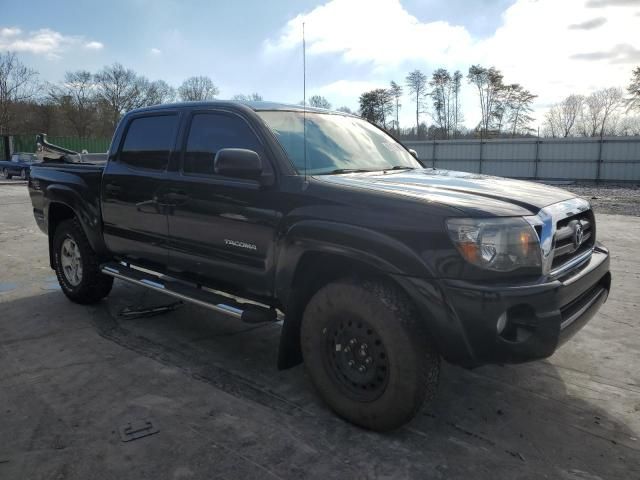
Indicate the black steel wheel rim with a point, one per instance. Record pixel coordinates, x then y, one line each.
357 359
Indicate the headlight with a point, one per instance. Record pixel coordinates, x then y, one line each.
500 244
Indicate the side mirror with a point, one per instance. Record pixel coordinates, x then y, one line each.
413 152
238 163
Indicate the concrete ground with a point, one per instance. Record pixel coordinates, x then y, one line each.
71 376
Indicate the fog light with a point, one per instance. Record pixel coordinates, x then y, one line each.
502 322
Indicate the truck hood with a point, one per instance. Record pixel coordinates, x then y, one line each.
471 193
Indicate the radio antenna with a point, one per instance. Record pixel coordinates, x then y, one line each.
304 101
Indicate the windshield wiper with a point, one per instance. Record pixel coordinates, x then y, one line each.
399 167
346 170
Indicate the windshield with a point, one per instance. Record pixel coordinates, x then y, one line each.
336 143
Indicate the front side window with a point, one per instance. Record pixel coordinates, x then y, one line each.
336 143
211 132
149 142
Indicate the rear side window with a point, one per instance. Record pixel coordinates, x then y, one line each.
149 141
211 132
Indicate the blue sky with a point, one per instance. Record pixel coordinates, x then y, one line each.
552 47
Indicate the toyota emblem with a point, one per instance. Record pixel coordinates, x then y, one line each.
578 235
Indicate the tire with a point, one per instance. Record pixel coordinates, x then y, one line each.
23 174
384 387
6 174
77 266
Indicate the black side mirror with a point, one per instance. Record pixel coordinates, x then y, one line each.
238 163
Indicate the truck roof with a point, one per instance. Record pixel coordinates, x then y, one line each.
253 105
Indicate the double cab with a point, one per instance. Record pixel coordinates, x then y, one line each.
376 266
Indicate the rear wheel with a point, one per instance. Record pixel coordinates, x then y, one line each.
368 354
77 266
23 174
5 174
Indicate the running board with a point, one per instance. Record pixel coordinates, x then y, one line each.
247 312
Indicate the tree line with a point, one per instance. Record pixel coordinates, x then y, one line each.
601 113
88 103
505 108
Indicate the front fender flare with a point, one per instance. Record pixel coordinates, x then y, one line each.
381 252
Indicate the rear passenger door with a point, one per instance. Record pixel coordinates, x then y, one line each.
221 229
134 217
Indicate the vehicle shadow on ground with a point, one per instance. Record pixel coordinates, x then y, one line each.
491 422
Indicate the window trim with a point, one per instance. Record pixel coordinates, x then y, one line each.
220 178
172 150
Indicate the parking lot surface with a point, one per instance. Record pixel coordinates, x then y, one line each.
73 376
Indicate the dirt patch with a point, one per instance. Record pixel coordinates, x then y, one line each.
620 199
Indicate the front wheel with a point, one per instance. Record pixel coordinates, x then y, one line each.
23 174
6 174
77 266
368 353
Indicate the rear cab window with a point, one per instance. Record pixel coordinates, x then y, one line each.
149 141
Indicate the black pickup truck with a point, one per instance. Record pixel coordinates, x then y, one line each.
377 266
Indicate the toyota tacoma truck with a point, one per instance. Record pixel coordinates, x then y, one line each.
377 267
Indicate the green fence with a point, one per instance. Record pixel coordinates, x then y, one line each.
27 143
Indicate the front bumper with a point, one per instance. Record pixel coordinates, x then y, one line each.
539 316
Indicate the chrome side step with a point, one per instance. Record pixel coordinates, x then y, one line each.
247 312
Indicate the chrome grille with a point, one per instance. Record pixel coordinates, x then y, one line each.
567 233
565 246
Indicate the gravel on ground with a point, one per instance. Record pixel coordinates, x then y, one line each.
613 198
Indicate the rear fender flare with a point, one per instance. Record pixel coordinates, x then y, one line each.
87 213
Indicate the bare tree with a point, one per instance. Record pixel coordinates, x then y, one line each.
118 90
252 97
634 91
599 112
458 117
18 83
515 105
417 83
319 101
396 93
76 98
156 92
629 125
445 95
562 118
376 106
198 89
488 82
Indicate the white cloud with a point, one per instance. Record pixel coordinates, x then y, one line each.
94 45
9 31
384 33
537 45
45 41
155 52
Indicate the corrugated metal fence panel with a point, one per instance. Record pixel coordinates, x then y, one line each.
24 143
620 159
509 159
612 158
77 144
27 143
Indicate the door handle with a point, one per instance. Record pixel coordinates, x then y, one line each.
113 189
